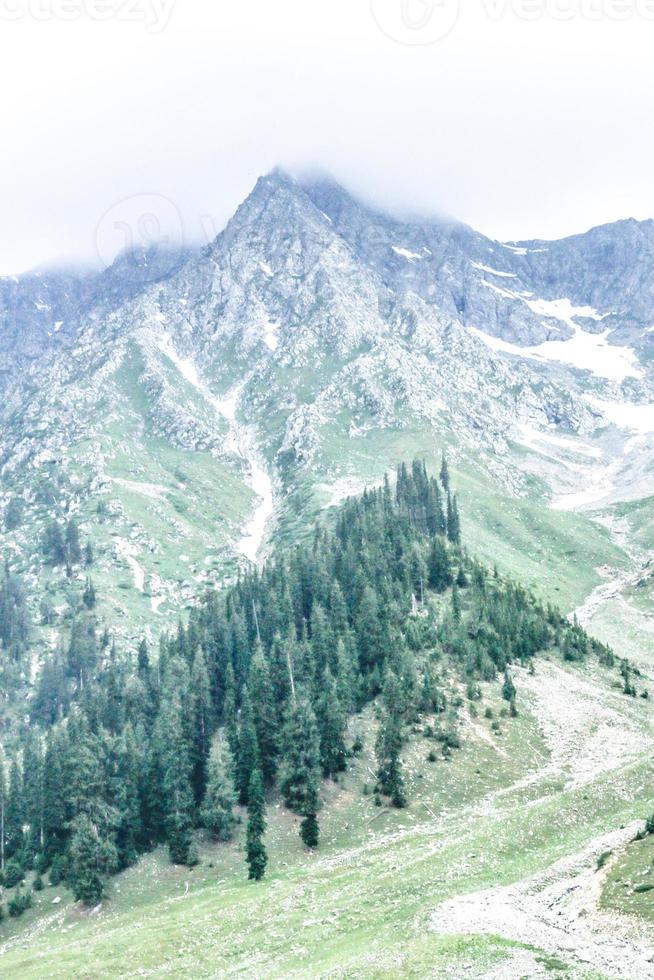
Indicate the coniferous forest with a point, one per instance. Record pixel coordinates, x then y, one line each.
121 751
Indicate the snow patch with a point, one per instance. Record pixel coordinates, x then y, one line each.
243 444
406 253
585 351
265 268
521 250
531 437
562 309
261 483
270 334
507 293
494 272
517 250
626 415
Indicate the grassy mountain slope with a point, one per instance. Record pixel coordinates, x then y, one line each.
492 869
371 903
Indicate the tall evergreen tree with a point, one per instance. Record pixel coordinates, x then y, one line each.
54 546
229 713
15 813
453 524
88 595
73 546
218 808
201 724
3 812
264 713
173 760
54 792
445 474
389 744
33 788
128 797
91 859
331 721
300 770
248 749
257 858
439 570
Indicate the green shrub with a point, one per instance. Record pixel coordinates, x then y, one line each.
57 870
14 874
21 901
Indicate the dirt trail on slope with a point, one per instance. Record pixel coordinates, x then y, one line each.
557 910
618 528
589 731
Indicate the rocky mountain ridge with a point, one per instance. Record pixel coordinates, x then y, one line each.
188 406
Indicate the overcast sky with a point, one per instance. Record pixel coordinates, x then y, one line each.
521 127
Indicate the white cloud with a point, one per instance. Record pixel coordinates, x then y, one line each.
521 128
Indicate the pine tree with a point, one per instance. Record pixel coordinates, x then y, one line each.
54 547
229 714
91 859
309 829
331 721
248 749
3 811
439 571
88 553
264 713
300 770
33 788
128 796
453 524
54 792
508 688
88 595
444 474
14 514
368 628
73 546
257 857
218 808
173 761
15 812
201 723
456 604
389 744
